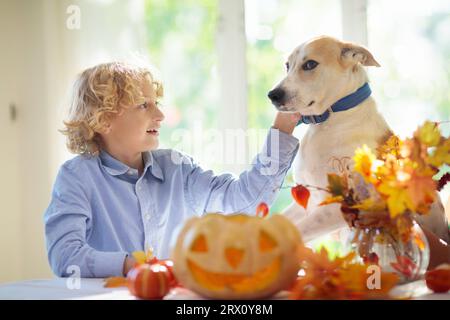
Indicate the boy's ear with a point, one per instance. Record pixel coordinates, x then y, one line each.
105 128
352 53
105 122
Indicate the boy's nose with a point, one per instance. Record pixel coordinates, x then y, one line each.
159 115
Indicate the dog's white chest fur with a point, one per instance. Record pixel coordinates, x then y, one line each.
328 146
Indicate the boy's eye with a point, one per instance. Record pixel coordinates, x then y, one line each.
144 105
147 105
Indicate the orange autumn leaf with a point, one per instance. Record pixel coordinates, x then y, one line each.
301 195
115 282
421 188
320 260
354 279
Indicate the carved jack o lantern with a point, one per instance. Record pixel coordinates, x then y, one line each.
237 256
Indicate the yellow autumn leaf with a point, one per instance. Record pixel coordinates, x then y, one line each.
364 159
398 199
139 256
142 257
330 200
441 155
370 204
428 134
391 146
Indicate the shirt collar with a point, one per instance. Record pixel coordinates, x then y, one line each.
112 165
115 167
155 169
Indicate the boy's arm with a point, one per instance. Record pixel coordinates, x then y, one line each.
66 222
207 192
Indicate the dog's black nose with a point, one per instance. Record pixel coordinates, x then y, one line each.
276 96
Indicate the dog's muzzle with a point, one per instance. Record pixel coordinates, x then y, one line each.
277 96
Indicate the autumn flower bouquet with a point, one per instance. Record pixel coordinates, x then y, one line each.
384 193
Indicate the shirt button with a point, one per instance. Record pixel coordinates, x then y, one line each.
147 216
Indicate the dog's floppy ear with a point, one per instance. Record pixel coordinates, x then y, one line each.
352 53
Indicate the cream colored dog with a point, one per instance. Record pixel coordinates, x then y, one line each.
319 73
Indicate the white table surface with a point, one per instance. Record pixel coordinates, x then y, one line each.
92 289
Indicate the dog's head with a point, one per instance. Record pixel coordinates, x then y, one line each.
320 72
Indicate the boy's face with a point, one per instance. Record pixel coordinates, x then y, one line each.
136 128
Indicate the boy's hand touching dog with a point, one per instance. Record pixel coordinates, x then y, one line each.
286 121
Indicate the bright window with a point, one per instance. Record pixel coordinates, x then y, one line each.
181 44
412 46
274 28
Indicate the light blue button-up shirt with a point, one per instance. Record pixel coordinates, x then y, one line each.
101 209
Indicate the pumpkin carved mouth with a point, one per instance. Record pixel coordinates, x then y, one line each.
241 283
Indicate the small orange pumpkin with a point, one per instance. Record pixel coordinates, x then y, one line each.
149 281
438 279
236 256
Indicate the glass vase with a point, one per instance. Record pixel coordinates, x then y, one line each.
407 256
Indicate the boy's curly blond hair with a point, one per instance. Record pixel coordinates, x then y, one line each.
99 94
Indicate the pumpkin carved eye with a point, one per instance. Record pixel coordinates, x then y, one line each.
199 244
266 242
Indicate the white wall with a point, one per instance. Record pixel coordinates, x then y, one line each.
11 52
39 59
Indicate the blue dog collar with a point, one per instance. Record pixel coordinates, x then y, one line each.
347 102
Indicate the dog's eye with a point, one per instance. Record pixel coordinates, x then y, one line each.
309 65
287 66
